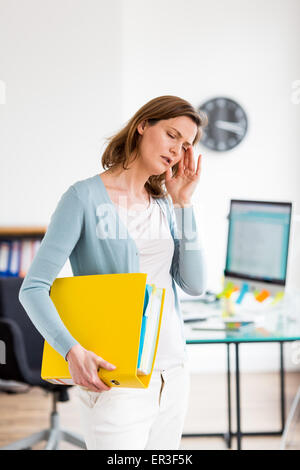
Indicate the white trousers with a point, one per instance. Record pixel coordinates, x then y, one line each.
127 418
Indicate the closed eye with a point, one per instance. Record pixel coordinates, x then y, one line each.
173 137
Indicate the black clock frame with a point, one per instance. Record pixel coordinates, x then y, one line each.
225 112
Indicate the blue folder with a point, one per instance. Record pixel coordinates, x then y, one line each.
144 322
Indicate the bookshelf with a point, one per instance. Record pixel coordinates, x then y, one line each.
18 246
22 232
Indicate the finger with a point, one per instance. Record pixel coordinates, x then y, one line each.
191 162
105 364
91 383
168 176
98 386
198 170
105 387
92 387
180 171
101 363
97 383
186 160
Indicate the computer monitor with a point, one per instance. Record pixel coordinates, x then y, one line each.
257 244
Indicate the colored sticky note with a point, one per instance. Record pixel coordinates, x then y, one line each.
244 290
262 295
228 288
278 297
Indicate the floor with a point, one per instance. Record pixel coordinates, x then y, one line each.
24 413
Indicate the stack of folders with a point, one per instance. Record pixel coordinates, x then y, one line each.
149 329
117 316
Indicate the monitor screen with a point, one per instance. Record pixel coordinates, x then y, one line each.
258 240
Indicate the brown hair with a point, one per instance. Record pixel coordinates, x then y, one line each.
126 141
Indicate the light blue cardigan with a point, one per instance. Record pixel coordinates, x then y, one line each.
86 228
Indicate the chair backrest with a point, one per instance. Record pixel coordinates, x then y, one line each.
11 309
22 339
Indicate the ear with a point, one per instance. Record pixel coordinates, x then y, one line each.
141 127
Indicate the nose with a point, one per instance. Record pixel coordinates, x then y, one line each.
175 149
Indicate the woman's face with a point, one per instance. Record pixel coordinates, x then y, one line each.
165 143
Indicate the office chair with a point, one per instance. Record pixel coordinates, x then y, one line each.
23 348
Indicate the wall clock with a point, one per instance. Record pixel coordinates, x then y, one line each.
227 124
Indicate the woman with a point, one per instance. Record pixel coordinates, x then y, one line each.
148 184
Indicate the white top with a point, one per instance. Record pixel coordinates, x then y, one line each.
150 230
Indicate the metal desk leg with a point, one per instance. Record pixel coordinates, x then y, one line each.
228 436
238 405
282 394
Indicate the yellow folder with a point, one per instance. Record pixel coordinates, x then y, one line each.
104 314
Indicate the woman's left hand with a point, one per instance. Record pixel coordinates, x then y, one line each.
182 186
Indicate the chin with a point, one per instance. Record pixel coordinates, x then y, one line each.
159 169
157 173
156 168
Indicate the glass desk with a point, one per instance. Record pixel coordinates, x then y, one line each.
270 326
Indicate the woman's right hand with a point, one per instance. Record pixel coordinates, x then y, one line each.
84 366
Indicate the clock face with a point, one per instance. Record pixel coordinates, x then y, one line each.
227 124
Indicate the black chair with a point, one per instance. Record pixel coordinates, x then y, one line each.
21 357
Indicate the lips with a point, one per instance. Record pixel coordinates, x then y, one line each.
167 160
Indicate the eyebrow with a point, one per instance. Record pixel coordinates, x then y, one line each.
180 135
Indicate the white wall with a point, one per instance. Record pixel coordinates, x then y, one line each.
75 70
61 63
246 50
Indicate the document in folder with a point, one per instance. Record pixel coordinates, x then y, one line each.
105 314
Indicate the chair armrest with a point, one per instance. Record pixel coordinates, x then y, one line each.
16 364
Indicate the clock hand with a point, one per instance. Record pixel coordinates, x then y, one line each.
230 126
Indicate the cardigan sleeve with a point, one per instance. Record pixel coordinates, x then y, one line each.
188 264
61 237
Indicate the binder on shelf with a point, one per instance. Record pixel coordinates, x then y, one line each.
26 257
5 256
14 267
18 246
105 313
